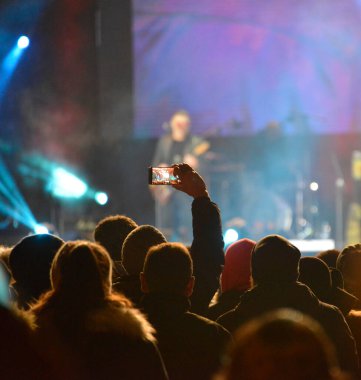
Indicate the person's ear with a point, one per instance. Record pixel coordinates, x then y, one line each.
189 288
143 283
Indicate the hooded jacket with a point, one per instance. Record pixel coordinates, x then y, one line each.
235 278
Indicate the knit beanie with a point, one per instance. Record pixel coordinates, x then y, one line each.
275 260
236 274
136 246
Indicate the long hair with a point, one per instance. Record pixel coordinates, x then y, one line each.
80 278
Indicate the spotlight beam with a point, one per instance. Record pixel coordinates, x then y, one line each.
10 190
9 65
14 214
18 208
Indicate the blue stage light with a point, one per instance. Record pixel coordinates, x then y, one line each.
66 185
40 229
230 236
101 198
23 42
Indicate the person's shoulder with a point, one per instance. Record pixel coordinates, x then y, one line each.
332 315
120 319
230 320
201 322
330 310
166 138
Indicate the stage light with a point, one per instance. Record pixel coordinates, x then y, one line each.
230 236
66 185
340 182
23 42
313 186
101 198
10 62
40 229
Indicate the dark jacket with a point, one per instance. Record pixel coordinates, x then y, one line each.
108 342
190 345
129 285
296 296
207 252
225 302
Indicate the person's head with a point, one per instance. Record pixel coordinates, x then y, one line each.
329 257
30 261
281 345
316 275
111 232
236 274
168 268
179 124
136 246
275 260
349 264
81 270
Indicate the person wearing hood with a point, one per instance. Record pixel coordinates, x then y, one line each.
235 277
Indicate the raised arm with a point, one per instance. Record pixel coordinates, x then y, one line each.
207 246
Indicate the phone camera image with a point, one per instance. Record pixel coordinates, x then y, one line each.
162 176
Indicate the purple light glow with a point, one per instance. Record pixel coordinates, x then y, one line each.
236 65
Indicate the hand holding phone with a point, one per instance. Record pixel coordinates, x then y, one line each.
191 182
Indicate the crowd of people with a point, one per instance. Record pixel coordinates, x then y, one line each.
132 305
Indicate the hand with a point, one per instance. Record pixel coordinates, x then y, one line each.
191 182
192 161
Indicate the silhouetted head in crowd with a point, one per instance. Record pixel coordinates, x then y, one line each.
30 261
81 271
349 264
111 232
236 274
168 268
316 275
329 257
91 330
136 246
275 260
281 345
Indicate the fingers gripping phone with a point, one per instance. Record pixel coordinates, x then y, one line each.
162 176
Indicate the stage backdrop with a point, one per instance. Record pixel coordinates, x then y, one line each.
235 65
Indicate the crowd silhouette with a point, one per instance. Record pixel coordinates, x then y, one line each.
130 305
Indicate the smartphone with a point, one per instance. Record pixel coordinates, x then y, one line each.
162 176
